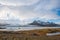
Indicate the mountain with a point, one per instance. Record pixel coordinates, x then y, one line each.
41 23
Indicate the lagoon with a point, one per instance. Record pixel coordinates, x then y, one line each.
25 28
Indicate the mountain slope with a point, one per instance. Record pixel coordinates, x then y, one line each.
41 23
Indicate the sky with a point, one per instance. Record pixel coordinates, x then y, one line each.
28 10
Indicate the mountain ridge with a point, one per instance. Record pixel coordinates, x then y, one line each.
42 23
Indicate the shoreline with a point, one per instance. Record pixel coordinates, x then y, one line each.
27 28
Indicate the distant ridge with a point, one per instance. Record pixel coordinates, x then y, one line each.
41 23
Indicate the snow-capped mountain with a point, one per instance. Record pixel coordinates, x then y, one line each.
42 23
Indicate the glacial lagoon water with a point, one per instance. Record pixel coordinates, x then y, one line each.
24 28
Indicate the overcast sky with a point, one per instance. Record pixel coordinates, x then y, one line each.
47 10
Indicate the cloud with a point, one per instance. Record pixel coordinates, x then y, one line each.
17 2
26 9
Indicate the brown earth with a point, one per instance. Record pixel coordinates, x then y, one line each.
39 34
